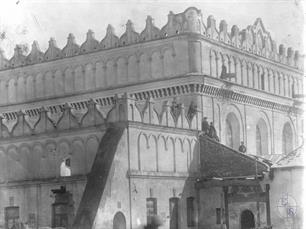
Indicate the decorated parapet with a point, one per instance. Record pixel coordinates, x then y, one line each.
99 111
254 39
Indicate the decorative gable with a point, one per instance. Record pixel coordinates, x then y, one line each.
212 32
53 52
91 44
18 59
150 32
235 38
35 56
110 40
4 63
71 48
173 26
258 26
130 36
193 21
224 37
247 39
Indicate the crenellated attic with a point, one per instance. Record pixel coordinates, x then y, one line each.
254 40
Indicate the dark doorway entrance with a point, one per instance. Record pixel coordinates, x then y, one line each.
247 220
119 221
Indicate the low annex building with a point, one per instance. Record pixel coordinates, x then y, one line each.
108 134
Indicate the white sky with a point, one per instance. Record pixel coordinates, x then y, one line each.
28 20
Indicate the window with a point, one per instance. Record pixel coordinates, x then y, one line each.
287 138
65 170
229 134
174 212
232 131
262 138
151 210
190 212
219 215
12 217
258 141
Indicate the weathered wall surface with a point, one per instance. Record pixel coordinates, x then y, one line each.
36 198
32 169
163 165
287 192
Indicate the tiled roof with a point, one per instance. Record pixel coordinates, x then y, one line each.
218 160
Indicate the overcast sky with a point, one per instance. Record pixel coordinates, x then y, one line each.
26 20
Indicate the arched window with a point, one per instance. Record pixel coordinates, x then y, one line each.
258 141
262 138
229 134
287 138
65 169
232 131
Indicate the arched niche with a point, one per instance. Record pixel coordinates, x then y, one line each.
156 65
89 77
232 131
247 219
132 69
3 165
144 67
262 138
213 64
287 138
79 79
122 70
48 84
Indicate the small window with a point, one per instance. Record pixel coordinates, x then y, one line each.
219 215
65 169
190 212
151 210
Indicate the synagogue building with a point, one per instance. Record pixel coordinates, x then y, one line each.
197 124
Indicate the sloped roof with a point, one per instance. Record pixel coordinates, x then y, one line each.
218 160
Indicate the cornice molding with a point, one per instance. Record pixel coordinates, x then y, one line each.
44 182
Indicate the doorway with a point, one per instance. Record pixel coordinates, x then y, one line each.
247 220
119 221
